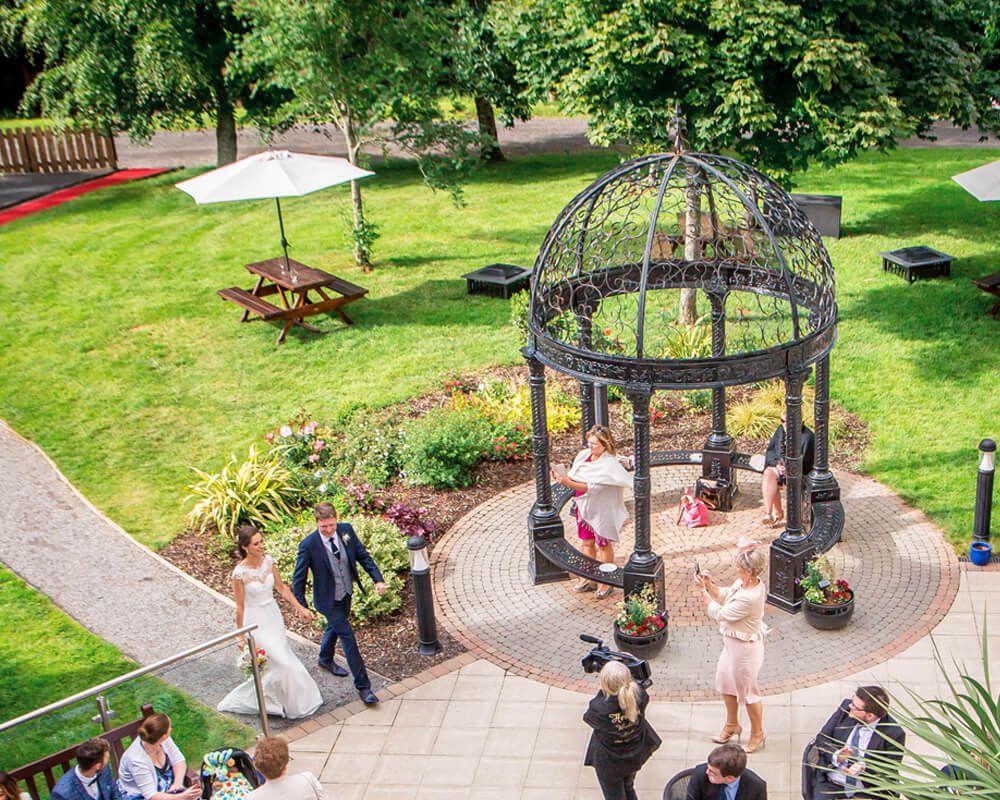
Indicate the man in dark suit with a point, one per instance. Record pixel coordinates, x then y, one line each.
331 553
860 726
91 778
725 777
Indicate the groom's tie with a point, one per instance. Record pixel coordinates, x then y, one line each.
333 546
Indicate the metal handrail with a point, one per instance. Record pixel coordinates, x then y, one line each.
166 662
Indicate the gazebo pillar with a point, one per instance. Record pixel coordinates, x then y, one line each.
643 566
717 454
822 485
585 327
791 550
543 519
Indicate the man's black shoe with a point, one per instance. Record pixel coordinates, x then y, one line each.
334 668
368 697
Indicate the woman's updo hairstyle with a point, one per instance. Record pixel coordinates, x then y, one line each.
244 535
154 728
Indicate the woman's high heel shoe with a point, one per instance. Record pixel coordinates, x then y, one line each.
729 730
756 743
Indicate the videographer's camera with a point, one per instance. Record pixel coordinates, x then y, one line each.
601 655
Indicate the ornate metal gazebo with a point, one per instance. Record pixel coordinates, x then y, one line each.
677 271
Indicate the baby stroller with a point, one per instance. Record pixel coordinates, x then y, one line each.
228 774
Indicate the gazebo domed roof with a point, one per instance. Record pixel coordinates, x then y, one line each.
607 284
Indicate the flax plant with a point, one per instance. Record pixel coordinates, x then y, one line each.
963 727
257 491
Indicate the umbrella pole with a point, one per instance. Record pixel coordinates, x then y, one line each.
281 227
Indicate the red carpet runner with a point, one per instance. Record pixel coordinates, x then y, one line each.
64 195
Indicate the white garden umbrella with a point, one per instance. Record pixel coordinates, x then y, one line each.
273 173
983 183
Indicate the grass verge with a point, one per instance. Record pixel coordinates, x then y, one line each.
49 656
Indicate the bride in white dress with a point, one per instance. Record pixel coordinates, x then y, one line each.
289 690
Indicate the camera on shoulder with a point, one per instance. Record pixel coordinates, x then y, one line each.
600 655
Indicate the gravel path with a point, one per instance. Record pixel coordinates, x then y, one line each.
53 538
540 135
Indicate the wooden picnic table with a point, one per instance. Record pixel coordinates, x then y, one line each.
293 286
991 285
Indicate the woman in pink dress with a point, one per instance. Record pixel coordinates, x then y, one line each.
739 610
600 481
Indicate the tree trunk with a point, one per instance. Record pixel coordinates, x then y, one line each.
687 313
488 127
357 207
225 131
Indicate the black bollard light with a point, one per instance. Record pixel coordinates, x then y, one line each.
420 569
984 490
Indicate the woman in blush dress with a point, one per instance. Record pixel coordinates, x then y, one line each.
289 690
739 610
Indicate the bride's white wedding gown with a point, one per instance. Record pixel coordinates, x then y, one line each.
289 690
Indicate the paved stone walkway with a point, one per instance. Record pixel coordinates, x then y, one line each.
894 558
53 538
469 730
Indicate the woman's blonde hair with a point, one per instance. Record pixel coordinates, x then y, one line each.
617 680
603 434
752 560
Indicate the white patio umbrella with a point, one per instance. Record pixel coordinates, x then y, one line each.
983 183
273 173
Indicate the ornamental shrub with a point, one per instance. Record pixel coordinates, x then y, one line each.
443 446
371 448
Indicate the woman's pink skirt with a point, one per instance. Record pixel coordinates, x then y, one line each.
739 664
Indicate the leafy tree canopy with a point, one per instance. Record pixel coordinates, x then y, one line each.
373 67
129 65
779 83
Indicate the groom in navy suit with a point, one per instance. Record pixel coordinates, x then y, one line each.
91 778
331 553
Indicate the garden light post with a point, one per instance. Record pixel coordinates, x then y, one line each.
420 569
984 490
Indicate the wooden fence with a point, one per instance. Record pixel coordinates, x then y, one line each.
50 150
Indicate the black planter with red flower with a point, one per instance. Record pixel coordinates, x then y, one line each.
829 616
643 641
827 601
640 627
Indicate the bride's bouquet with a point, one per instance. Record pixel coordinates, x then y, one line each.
246 659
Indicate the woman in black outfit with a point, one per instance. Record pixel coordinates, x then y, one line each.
622 740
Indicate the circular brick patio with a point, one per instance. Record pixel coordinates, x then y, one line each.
903 572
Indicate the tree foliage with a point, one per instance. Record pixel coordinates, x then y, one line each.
130 65
779 83
375 68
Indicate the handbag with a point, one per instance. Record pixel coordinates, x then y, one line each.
694 512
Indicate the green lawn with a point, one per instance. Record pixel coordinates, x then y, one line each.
126 368
49 656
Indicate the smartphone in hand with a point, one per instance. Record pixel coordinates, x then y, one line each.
697 568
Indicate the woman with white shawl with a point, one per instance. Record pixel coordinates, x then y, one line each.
600 481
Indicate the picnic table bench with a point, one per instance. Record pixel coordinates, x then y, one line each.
292 284
991 285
